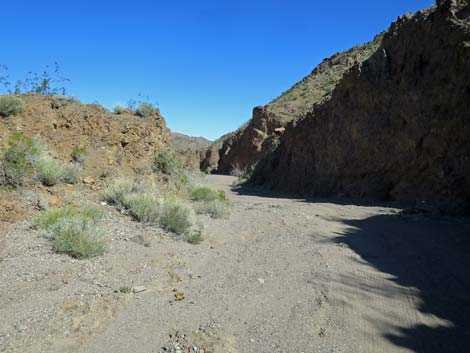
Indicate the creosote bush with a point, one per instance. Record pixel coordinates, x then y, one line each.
10 105
145 110
73 230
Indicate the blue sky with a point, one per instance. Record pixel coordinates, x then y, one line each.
207 63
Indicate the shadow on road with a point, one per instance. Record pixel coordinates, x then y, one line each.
429 255
426 255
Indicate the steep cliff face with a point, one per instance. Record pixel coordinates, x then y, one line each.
246 146
397 126
112 143
250 144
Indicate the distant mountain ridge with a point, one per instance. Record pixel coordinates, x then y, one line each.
183 142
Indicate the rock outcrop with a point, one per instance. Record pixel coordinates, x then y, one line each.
249 144
396 127
191 150
112 143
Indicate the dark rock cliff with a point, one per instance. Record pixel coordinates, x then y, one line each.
249 144
397 126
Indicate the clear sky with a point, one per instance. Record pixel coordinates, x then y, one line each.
207 63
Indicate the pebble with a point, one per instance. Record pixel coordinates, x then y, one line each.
261 280
138 289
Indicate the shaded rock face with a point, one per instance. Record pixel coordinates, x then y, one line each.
396 127
113 143
249 144
211 157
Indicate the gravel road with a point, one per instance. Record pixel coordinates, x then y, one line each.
279 275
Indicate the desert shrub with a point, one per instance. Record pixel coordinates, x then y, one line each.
90 212
77 237
194 237
73 230
16 164
49 217
49 171
10 105
144 207
118 191
119 109
61 100
145 110
175 216
71 174
78 154
166 162
214 208
205 193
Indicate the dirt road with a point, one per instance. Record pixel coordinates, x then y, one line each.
287 275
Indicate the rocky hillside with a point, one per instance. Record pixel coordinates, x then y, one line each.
110 141
183 142
254 140
397 126
191 149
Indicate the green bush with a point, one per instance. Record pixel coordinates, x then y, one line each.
166 162
78 154
49 217
205 193
214 208
118 191
16 164
175 216
77 237
145 110
194 237
143 207
49 171
119 109
10 105
71 174
73 230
